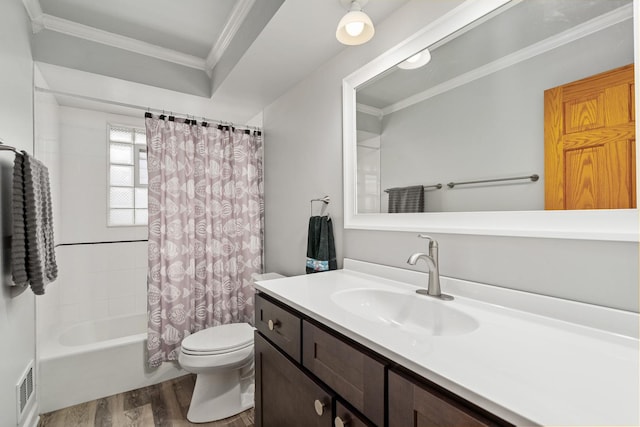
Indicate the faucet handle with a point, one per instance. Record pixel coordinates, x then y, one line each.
433 243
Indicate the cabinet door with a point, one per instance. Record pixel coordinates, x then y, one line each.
285 396
411 405
346 418
355 376
279 325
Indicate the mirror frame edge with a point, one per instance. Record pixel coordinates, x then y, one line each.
611 225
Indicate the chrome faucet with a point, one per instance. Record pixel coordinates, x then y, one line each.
433 288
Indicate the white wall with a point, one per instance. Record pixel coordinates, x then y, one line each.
303 160
303 142
17 313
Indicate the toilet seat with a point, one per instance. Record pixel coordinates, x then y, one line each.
222 357
219 340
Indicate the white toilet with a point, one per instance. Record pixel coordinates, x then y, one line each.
222 358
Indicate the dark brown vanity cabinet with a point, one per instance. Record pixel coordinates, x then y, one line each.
346 418
308 375
412 404
355 376
280 326
285 396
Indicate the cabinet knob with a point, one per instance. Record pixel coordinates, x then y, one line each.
339 422
319 406
273 324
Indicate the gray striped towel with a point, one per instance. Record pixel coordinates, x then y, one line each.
406 199
33 260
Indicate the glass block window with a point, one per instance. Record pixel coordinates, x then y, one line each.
127 176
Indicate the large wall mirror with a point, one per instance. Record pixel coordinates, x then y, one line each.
504 118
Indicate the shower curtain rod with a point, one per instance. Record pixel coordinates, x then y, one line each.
140 107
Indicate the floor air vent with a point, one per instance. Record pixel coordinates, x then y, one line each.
24 390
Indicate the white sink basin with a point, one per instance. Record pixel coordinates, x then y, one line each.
409 312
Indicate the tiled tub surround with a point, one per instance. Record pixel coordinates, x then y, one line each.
96 281
532 359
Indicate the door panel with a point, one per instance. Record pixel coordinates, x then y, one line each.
285 396
411 405
590 143
355 376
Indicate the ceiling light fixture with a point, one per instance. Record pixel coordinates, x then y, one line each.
418 60
355 27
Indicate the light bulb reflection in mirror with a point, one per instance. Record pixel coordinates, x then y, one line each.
418 60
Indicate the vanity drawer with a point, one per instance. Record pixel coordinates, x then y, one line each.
279 325
355 376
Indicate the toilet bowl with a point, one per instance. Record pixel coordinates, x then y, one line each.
222 358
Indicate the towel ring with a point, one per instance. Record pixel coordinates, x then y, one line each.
324 200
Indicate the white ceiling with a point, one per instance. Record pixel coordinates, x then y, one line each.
147 20
243 52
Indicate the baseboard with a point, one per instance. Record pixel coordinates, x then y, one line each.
32 418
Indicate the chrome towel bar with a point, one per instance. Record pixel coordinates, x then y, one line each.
533 178
426 187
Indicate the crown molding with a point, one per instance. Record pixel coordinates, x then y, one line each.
235 20
592 26
372 111
64 26
34 10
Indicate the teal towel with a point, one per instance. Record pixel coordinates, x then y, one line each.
321 249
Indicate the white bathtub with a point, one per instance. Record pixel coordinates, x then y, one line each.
96 359
103 331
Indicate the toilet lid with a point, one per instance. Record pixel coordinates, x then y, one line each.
218 339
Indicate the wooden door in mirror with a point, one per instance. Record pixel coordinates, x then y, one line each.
590 142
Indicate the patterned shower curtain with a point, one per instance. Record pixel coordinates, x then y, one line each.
206 217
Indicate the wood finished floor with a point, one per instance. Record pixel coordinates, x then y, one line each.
161 405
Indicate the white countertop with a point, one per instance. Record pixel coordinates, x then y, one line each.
533 360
